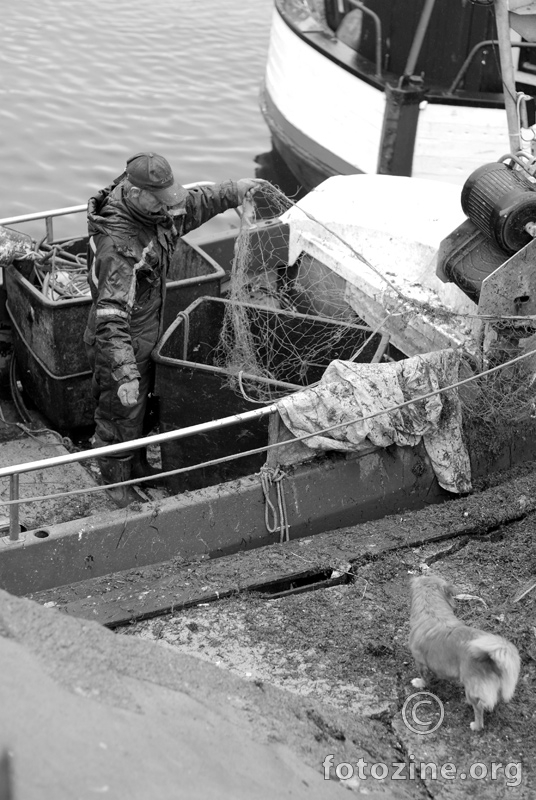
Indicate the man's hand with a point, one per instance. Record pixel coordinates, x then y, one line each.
128 392
245 185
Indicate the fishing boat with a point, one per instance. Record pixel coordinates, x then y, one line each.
386 274
411 88
237 474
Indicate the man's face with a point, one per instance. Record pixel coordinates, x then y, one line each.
150 202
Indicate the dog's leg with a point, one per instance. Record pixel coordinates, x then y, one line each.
424 676
478 723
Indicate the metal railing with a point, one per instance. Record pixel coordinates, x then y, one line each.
476 49
55 212
378 28
49 215
13 471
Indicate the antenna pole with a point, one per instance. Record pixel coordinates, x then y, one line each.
507 73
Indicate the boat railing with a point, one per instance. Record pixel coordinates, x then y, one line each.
378 29
48 216
470 57
51 214
13 471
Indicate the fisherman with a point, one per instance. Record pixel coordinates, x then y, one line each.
134 225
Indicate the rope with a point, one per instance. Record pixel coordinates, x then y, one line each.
243 391
269 507
269 477
285 527
27 417
240 381
59 275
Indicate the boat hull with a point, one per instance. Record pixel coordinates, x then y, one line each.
326 119
309 163
323 495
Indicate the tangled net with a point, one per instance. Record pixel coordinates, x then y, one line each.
504 397
283 324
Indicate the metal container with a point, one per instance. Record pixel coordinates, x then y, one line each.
192 390
48 334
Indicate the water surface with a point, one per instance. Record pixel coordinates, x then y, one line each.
85 85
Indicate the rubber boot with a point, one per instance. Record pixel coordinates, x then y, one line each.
115 470
142 469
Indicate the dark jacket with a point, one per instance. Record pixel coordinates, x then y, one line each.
128 258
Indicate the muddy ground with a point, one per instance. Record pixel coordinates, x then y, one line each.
347 647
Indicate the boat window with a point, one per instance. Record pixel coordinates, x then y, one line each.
335 11
455 29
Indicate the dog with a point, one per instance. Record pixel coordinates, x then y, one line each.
485 664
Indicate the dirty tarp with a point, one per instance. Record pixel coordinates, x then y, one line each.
348 391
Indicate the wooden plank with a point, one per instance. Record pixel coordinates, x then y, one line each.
186 587
124 597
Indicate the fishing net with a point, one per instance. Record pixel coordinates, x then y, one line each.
258 352
284 324
503 393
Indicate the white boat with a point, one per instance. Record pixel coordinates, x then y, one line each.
410 88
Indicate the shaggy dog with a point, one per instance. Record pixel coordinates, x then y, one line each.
487 665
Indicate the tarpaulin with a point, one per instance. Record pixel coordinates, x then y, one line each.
349 393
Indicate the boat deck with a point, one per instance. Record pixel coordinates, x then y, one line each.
21 444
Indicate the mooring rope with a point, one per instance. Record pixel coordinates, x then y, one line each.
269 477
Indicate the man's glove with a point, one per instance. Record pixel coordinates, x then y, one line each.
128 392
244 185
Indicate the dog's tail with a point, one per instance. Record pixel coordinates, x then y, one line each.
504 655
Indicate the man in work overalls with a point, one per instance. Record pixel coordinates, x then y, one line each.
134 225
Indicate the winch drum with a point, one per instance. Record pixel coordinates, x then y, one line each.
500 201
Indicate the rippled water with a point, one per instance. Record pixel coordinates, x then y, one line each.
85 85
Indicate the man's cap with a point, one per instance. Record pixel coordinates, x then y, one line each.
152 172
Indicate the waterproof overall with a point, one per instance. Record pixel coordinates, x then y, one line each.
128 257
